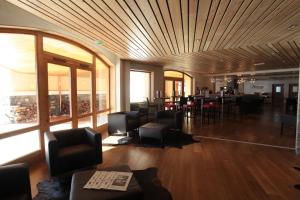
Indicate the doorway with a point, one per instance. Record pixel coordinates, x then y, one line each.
173 88
293 90
69 96
277 94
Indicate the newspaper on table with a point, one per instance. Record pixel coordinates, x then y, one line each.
109 180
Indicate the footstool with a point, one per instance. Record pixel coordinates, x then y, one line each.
79 179
153 130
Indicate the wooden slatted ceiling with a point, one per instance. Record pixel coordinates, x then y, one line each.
192 35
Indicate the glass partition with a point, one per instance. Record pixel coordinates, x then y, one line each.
102 86
20 110
84 92
85 122
59 92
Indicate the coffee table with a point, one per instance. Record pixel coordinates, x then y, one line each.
79 179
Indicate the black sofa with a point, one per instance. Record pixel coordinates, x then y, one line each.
123 122
15 182
72 149
172 118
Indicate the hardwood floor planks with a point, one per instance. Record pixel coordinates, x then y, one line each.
213 169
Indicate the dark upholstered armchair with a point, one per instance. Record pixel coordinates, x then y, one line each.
143 111
15 182
122 122
72 149
172 118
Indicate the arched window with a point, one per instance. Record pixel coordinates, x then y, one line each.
177 84
47 83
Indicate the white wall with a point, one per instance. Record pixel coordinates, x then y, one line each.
202 81
157 80
267 86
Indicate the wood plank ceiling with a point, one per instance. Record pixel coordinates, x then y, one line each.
205 36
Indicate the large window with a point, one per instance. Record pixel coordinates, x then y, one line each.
59 47
139 86
177 84
84 92
18 78
18 94
59 92
102 86
64 90
187 85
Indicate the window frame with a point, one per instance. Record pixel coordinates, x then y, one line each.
178 79
150 88
42 58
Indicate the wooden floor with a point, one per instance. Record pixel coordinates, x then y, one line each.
263 128
211 169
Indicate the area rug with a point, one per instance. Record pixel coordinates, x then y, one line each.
59 189
172 139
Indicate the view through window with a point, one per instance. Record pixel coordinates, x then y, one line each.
18 96
139 86
20 110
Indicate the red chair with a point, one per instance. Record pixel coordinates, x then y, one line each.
169 106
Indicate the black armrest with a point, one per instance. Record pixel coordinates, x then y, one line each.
92 136
14 181
133 114
95 139
116 123
51 150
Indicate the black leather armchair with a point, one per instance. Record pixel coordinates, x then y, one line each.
122 122
143 111
172 118
15 182
72 149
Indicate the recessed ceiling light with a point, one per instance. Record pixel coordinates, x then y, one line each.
198 40
256 64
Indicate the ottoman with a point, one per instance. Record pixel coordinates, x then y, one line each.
153 130
79 179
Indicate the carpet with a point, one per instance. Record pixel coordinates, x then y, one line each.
172 139
59 189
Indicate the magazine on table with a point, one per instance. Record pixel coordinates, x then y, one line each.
109 180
